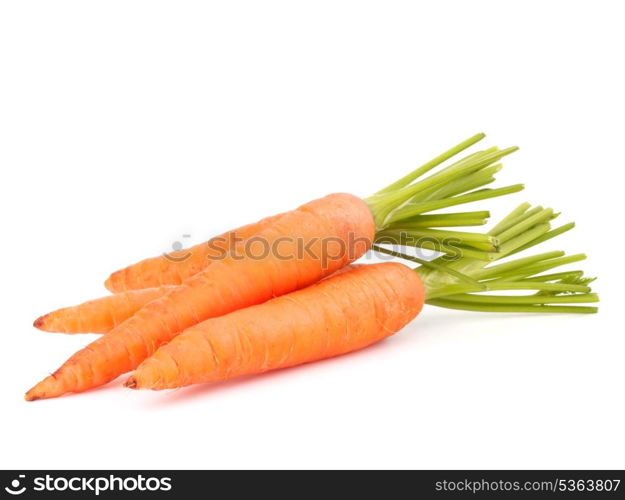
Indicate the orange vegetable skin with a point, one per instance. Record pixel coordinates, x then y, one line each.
99 315
343 313
103 314
225 286
175 267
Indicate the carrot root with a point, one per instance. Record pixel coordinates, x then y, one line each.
40 321
99 315
226 285
340 314
174 268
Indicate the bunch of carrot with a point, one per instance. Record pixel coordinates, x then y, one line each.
214 311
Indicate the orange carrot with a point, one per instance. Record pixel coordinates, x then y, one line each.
338 315
401 205
103 314
175 267
99 315
323 236
333 231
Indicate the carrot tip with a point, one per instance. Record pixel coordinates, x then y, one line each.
31 397
131 383
109 284
38 323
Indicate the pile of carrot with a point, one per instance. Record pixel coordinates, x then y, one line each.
213 311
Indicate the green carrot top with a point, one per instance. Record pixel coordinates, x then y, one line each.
406 205
460 280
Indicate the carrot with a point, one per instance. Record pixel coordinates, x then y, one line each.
333 317
173 268
399 206
103 314
209 294
317 239
99 315
357 308
232 283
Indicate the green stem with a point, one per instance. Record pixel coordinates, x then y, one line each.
443 220
517 220
507 221
430 265
453 251
581 298
544 237
513 265
529 222
541 267
468 183
509 247
510 285
428 206
465 306
557 276
523 228
423 169
412 237
468 173
383 205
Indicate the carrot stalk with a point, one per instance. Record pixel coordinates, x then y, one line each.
557 276
524 272
413 209
443 220
480 241
499 270
545 237
512 308
519 228
497 285
523 228
425 168
431 265
527 299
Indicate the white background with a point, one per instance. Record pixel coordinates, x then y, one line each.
124 125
